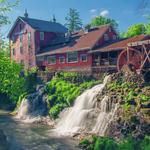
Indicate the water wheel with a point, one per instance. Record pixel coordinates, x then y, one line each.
130 57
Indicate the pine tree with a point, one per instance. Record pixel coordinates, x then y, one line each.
73 21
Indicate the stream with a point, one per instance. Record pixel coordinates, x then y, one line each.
15 135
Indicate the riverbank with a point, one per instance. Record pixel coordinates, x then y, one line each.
23 136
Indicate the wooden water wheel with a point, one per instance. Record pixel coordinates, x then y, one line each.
130 57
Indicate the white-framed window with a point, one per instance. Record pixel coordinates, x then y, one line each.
83 57
51 60
106 37
62 59
72 57
40 58
41 36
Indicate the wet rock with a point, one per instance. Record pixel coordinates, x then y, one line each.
33 106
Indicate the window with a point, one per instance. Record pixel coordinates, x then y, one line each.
114 37
40 58
29 39
83 57
51 60
22 62
106 37
21 38
30 51
41 36
62 59
14 52
21 50
72 57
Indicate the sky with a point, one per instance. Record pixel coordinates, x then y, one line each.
125 12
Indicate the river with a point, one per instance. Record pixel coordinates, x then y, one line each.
15 135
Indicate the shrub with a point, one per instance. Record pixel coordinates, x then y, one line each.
62 90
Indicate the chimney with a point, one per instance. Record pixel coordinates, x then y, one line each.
26 13
54 19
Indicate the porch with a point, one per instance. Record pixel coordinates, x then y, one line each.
105 61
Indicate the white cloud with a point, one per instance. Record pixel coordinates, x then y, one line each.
93 11
104 13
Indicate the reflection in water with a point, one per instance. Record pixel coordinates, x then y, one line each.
15 135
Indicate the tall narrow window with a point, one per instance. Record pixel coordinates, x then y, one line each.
29 39
51 60
72 57
22 62
14 52
21 50
41 36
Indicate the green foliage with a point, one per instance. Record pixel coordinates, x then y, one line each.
5 7
128 144
135 29
106 143
144 98
73 21
11 83
99 20
64 88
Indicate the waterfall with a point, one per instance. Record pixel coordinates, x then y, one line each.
106 115
33 106
84 116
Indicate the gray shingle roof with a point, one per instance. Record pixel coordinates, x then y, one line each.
46 26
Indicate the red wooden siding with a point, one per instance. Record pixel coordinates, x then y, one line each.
18 57
79 65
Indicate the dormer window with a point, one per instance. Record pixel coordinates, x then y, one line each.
106 37
41 36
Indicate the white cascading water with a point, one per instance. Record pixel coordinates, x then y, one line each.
83 116
106 115
32 106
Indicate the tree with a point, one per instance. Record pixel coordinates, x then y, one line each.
5 7
73 21
11 83
135 29
99 20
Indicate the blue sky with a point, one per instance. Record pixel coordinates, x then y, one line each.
123 11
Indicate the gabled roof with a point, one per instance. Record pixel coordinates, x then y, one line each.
78 41
41 25
121 44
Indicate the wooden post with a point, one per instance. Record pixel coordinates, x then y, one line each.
146 54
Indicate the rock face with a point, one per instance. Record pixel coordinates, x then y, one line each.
33 106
